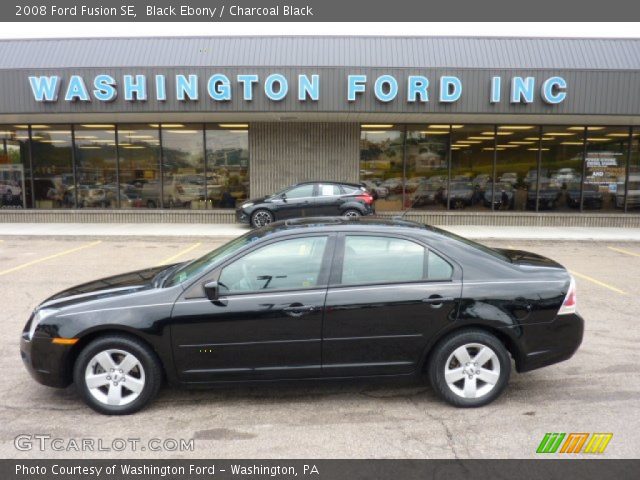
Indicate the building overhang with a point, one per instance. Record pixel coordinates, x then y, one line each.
340 117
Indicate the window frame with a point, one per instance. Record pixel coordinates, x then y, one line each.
338 261
195 290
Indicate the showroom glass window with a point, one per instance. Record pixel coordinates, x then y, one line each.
15 176
183 166
139 149
633 185
227 155
472 149
517 167
95 157
53 179
605 168
381 164
427 168
561 167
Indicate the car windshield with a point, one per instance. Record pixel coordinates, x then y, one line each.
200 265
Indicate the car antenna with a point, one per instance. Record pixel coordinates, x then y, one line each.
413 204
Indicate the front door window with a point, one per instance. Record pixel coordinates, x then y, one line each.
286 265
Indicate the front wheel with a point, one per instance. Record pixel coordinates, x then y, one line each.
117 375
470 368
261 218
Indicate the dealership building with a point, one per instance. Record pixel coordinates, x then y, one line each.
459 130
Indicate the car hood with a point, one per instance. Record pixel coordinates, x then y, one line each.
529 259
108 287
258 200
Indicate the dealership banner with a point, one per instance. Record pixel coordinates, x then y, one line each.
593 469
314 11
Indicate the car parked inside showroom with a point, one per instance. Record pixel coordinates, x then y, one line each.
308 199
591 196
321 298
502 196
461 196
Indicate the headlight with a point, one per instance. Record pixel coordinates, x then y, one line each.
38 317
247 205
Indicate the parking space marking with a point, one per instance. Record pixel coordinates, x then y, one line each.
179 254
597 282
50 257
622 250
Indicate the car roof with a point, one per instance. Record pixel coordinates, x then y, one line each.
340 223
332 182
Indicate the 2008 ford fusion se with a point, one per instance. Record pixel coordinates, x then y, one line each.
311 299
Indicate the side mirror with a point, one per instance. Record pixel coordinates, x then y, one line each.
212 290
283 197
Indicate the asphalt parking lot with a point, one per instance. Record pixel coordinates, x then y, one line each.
598 390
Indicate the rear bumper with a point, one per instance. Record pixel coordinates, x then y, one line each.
45 361
544 344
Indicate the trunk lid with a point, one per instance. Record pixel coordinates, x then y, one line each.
530 259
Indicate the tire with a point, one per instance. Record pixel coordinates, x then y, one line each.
351 213
458 204
448 355
261 218
95 362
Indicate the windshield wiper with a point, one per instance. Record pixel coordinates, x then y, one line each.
159 279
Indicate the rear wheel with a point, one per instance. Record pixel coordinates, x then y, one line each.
351 213
470 368
261 218
117 375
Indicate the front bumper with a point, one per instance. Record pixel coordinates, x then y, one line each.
543 344
46 362
242 216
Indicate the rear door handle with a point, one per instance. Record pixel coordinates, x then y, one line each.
436 301
298 310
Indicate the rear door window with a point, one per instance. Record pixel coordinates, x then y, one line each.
328 190
372 259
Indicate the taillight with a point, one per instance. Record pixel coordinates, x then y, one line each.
366 198
569 304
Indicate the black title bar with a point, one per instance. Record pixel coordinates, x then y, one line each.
546 469
317 11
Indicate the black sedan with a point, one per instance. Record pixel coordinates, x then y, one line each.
309 199
324 298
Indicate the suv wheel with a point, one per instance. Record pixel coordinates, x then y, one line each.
117 375
470 368
261 218
351 214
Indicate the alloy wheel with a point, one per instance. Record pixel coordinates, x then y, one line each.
472 370
261 218
114 377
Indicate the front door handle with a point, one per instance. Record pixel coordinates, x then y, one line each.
436 301
297 309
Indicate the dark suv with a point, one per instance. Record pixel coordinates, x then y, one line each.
308 199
